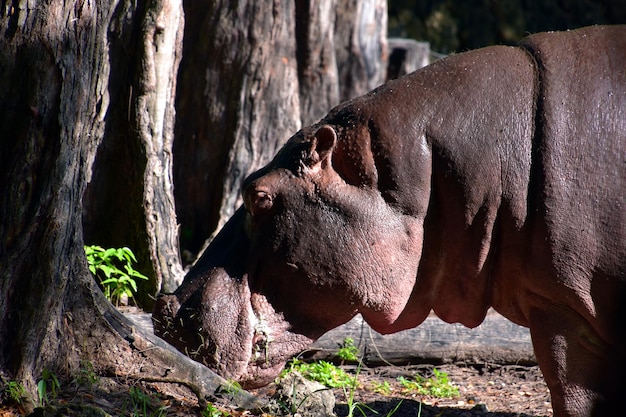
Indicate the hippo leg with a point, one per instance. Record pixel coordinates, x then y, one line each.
573 359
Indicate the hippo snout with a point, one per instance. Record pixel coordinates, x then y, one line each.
210 325
165 309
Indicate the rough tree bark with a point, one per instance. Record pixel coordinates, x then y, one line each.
361 47
249 79
161 48
237 100
57 91
129 200
54 99
317 66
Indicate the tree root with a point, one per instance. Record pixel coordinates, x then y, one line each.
163 363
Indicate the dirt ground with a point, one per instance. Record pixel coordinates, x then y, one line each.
485 390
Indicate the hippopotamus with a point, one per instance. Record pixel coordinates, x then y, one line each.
492 178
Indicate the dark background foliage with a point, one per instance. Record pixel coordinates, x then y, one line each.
455 26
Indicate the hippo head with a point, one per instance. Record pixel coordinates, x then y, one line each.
315 243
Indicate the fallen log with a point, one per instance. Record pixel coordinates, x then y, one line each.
496 340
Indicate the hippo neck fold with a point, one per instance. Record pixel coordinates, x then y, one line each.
458 156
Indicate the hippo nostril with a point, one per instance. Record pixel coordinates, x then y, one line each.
259 340
166 305
260 344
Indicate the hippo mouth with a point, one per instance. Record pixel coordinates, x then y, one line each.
247 341
273 343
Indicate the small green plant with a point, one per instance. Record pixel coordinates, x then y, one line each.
106 265
348 352
437 386
140 401
15 392
383 388
348 391
86 375
354 406
321 371
47 387
333 376
213 411
291 405
393 411
230 388
143 405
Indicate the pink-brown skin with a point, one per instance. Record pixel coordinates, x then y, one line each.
494 177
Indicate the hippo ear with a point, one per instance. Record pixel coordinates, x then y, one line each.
323 143
353 159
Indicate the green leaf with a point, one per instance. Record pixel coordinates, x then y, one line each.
107 270
134 273
119 254
139 275
41 391
129 253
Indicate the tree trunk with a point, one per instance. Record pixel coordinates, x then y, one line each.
54 99
496 340
132 177
361 48
161 48
61 86
317 66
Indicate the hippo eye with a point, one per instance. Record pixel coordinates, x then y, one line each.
261 201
